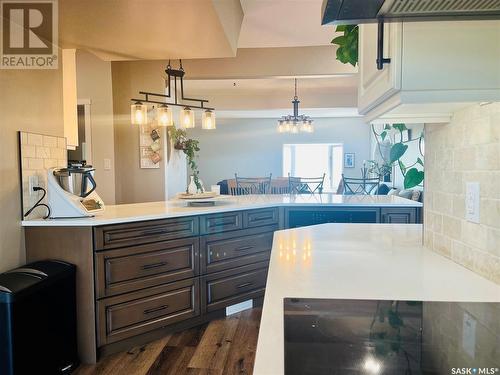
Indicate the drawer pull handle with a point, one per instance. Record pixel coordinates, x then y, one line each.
152 232
154 265
155 309
258 218
243 248
243 285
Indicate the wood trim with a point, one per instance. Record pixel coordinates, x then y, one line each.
73 245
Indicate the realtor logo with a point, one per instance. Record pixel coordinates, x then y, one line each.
29 34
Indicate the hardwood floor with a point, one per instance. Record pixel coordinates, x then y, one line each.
221 347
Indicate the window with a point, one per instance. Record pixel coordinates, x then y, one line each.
314 159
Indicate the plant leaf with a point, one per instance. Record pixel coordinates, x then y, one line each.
402 167
413 178
383 135
340 40
340 28
397 150
419 161
400 127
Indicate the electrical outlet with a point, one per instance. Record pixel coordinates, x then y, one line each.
33 181
472 202
469 335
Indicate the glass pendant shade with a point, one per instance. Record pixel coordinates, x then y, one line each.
164 116
187 118
208 120
138 113
295 129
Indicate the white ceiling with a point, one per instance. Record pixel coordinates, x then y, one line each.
277 113
283 23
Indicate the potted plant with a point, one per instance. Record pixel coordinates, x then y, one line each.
190 147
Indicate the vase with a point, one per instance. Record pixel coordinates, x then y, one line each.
192 189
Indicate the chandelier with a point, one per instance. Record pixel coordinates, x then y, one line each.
295 123
164 117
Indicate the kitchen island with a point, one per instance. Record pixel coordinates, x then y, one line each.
147 269
357 261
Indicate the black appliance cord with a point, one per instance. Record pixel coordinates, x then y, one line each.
38 204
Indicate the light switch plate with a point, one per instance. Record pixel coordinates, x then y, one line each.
469 335
472 202
107 164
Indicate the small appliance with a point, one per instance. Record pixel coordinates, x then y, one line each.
71 192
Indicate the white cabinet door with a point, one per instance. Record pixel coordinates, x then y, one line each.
376 86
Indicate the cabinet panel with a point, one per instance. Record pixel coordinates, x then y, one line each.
234 249
113 236
222 222
375 86
137 267
257 218
303 217
399 215
222 289
139 312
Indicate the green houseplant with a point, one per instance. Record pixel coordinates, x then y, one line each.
190 147
347 50
413 174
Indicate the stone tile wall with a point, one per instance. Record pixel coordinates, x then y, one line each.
465 150
39 153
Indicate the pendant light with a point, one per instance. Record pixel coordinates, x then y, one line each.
208 120
138 113
174 85
295 123
164 115
187 118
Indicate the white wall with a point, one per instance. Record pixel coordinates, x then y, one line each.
252 147
93 81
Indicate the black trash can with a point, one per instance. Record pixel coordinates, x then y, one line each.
38 319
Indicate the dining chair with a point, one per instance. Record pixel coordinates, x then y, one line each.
252 185
305 185
359 186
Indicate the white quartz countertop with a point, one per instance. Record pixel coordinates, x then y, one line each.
126 213
356 261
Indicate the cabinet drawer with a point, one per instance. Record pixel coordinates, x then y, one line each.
258 218
229 250
229 287
221 222
112 236
132 268
139 312
399 215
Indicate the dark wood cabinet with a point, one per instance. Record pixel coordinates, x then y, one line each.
113 236
222 222
222 289
233 249
261 217
135 313
136 267
399 215
299 217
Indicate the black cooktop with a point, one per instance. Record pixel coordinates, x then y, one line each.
340 336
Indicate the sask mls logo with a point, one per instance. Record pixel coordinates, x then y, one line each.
29 34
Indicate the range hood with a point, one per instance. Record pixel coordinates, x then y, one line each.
345 12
